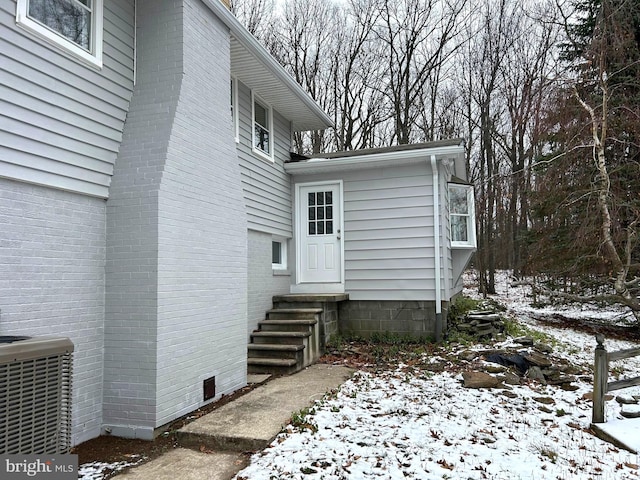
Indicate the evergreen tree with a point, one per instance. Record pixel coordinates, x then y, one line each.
587 209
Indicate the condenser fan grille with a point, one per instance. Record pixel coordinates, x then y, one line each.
35 396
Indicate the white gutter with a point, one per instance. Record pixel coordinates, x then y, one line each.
352 162
252 45
436 234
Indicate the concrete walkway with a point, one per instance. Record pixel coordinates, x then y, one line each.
216 442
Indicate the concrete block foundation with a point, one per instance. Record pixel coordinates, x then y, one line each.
413 319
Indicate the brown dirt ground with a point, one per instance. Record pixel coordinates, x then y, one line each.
110 449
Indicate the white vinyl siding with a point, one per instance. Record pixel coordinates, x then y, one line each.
388 232
267 188
389 235
61 120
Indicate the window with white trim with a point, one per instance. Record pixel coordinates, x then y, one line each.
279 254
462 216
73 25
262 128
234 109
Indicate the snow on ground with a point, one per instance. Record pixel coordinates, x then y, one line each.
410 423
100 470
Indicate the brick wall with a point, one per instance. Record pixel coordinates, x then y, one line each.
264 283
202 283
132 226
177 237
52 254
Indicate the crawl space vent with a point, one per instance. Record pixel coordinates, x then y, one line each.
209 388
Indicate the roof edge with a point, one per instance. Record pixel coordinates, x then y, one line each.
454 142
387 156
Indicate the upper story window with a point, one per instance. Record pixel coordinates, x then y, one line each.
73 25
262 128
462 216
234 109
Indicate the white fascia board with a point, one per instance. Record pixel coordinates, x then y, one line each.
245 38
355 162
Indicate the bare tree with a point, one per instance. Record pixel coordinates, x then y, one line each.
418 38
357 79
526 82
489 46
255 15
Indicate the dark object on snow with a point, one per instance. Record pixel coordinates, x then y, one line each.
517 361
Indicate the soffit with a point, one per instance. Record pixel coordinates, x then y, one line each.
282 93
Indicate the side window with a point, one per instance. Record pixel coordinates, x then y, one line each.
262 128
73 25
462 215
279 254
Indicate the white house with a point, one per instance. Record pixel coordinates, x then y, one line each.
151 217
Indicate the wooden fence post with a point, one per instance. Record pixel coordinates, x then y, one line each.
600 378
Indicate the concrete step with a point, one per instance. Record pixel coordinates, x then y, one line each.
287 325
294 313
268 350
298 298
274 366
278 362
280 337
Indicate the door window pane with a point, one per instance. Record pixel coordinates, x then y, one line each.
320 213
328 198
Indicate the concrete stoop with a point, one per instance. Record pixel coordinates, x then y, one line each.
287 341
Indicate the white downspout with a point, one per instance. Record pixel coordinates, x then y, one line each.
135 42
436 233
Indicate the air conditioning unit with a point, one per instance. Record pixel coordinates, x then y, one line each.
35 395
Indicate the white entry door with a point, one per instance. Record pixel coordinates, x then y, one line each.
319 233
